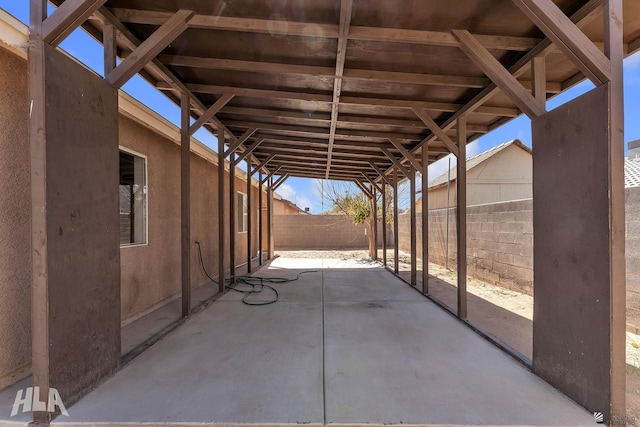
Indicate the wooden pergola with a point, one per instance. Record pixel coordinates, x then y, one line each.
368 91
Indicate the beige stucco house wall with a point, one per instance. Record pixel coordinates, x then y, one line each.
501 174
151 272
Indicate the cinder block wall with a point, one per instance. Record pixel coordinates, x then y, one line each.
320 232
633 257
499 242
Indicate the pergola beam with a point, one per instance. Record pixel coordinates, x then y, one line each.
210 113
325 98
381 173
150 48
531 106
348 74
568 38
405 153
270 174
437 131
292 28
364 189
325 118
245 136
66 18
584 14
263 164
372 182
250 150
396 162
345 21
174 84
279 181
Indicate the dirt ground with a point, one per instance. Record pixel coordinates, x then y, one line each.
506 314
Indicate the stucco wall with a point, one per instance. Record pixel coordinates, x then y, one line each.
15 216
150 274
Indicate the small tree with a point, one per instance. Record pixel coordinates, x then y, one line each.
347 199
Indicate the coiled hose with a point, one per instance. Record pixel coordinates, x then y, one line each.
256 284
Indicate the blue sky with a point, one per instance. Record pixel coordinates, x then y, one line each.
304 192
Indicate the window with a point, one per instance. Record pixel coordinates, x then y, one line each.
243 213
133 199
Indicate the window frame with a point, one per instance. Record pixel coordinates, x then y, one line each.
146 196
245 213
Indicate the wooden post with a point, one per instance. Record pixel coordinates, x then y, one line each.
232 218
614 50
221 211
461 216
396 266
110 48
384 223
185 202
260 219
374 229
412 209
39 251
249 222
270 245
425 219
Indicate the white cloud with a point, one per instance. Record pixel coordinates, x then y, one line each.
473 149
287 192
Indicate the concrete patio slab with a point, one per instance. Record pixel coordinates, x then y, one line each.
349 344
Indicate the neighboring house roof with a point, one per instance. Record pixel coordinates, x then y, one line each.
472 162
631 173
293 205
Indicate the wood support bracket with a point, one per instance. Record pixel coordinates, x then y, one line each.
372 182
66 18
410 157
381 173
150 48
234 146
263 164
364 189
436 130
568 38
499 74
396 162
273 172
211 111
279 182
249 150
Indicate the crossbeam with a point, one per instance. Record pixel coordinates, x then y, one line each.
499 75
568 38
437 131
66 18
396 162
211 111
150 48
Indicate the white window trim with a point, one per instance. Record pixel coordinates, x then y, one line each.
146 189
238 207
